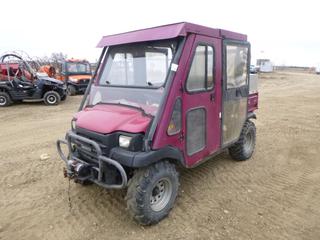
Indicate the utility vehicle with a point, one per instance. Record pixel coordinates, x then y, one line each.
76 74
19 82
174 95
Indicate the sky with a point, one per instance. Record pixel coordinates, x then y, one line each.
287 32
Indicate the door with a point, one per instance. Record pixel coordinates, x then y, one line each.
235 89
201 101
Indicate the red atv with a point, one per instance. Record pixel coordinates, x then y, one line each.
161 97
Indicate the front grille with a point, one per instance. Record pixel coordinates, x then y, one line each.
105 141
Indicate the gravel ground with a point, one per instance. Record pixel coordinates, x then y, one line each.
274 195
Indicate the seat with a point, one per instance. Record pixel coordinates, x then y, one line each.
25 85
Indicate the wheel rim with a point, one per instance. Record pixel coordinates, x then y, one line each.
248 142
51 99
161 194
3 101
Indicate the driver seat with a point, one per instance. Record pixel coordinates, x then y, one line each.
22 84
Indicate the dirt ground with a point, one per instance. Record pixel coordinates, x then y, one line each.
274 195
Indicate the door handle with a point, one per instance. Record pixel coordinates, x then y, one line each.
212 97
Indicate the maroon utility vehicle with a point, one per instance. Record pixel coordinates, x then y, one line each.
161 97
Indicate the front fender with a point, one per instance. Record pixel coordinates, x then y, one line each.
251 115
143 159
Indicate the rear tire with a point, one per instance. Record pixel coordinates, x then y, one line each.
244 147
5 99
51 98
72 90
152 192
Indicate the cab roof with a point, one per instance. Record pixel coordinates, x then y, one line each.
168 32
75 60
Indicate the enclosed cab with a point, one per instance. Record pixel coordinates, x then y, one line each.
161 97
76 74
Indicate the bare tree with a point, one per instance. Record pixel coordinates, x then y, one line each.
56 59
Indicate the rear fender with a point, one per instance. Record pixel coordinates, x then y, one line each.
6 89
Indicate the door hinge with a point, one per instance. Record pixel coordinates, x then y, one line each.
220 115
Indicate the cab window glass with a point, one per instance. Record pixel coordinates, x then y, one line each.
201 75
237 61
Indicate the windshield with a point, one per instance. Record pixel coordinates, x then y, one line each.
75 67
134 74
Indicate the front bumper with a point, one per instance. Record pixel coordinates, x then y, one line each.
80 86
62 90
92 171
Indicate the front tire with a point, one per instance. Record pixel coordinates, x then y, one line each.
51 98
152 192
244 147
64 97
72 90
5 99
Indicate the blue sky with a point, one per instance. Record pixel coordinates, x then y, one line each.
284 31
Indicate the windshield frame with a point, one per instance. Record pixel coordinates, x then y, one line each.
181 41
175 41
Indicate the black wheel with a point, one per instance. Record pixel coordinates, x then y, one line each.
64 97
83 182
152 192
51 98
72 90
244 147
5 99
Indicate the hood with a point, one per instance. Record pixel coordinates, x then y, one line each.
79 77
104 118
50 79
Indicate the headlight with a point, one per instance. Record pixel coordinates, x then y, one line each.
73 124
124 141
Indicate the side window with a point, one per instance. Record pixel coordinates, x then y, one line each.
63 68
210 69
237 61
175 122
201 75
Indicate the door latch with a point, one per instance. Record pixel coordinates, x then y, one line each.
212 97
181 136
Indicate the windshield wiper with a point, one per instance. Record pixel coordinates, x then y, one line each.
127 105
136 107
